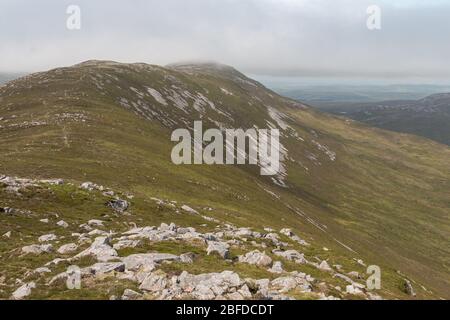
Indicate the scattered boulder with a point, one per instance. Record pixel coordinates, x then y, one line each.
221 248
324 266
42 270
208 286
187 258
53 182
67 248
291 255
189 209
352 289
89 186
101 249
37 249
95 223
257 258
408 288
7 235
126 243
62 224
47 238
6 210
118 205
285 284
135 261
354 274
154 282
129 294
277 267
23 291
106 267
288 232
343 277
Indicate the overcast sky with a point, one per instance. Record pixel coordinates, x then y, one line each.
271 37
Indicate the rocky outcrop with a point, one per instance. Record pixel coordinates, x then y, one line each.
37 249
291 255
257 258
136 261
118 205
408 288
101 249
68 248
47 238
23 291
221 248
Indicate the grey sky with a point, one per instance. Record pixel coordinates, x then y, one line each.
273 37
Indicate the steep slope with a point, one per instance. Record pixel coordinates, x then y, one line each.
360 192
428 117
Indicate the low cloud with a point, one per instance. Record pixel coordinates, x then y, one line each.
273 37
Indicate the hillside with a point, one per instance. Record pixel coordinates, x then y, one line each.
428 117
357 195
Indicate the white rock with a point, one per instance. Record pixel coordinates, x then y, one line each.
324 266
154 282
235 296
245 292
7 235
89 186
189 209
47 238
187 258
277 267
68 248
53 182
257 258
119 205
62 224
129 294
287 232
126 243
23 291
42 270
291 255
221 248
101 249
351 289
106 267
37 249
95 223
135 261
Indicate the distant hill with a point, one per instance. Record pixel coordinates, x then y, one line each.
428 117
5 77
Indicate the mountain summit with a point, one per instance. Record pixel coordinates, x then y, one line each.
350 196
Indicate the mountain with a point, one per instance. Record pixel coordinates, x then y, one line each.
428 117
86 159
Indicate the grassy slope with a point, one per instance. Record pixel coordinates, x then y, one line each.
386 195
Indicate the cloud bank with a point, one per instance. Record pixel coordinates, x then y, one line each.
272 37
